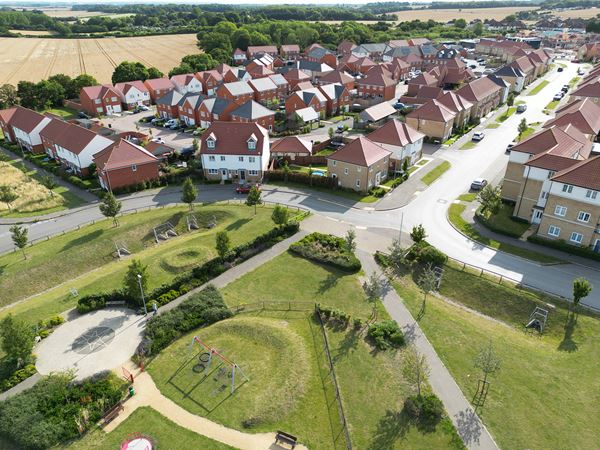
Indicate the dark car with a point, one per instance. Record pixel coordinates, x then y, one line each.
245 188
560 69
399 105
83 115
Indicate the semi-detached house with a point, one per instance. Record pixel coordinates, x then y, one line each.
167 106
100 100
26 126
157 87
405 143
133 93
238 92
186 83
235 151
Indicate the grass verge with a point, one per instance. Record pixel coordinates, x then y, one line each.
541 85
435 173
468 145
553 104
503 220
509 112
455 217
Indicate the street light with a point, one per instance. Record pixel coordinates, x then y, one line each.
142 292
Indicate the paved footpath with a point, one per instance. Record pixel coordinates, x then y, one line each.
468 425
147 394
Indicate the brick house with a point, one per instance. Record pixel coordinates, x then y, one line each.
290 51
283 87
239 56
5 128
125 164
459 106
589 88
359 165
188 108
238 91
235 151
186 83
133 93
433 119
583 114
485 93
307 98
52 133
322 55
376 85
167 106
100 100
215 109
337 97
26 126
157 87
265 90
291 147
211 80
256 50
295 76
345 47
404 142
337 76
513 76
259 71
252 111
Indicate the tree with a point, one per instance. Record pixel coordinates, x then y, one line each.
129 71
428 281
418 234
254 198
18 338
19 238
510 100
522 127
189 193
350 240
131 282
491 199
49 182
487 360
81 81
110 207
478 29
223 243
286 171
460 23
195 145
405 172
67 84
415 368
373 288
280 215
330 132
153 72
8 96
397 257
7 195
27 92
581 289
199 62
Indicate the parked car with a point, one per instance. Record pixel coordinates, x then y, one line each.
473 66
169 123
522 108
558 96
478 184
509 147
399 105
83 115
148 118
560 69
156 120
245 188
580 71
565 88
478 136
142 108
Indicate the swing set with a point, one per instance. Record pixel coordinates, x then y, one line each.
205 359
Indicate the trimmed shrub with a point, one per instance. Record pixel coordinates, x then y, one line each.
302 178
386 335
17 377
327 249
425 254
377 192
98 301
560 244
425 410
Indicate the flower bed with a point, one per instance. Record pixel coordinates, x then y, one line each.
327 249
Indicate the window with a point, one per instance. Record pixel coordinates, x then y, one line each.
551 173
251 159
222 158
99 109
576 237
241 159
114 99
213 171
346 171
553 231
357 183
134 168
333 163
591 194
544 195
253 172
560 210
97 101
583 216
251 145
211 158
210 143
568 188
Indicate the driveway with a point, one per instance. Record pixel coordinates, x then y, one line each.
101 339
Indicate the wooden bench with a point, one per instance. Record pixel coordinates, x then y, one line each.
113 412
286 438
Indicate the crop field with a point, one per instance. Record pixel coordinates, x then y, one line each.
444 15
587 13
34 59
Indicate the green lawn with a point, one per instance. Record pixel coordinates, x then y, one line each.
533 401
574 81
493 125
468 145
509 112
166 435
435 173
325 152
503 220
87 255
306 169
455 216
528 132
468 196
63 112
539 87
553 104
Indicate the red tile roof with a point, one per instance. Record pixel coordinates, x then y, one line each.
122 154
361 152
395 133
25 119
159 83
478 89
585 174
433 110
583 114
292 144
231 138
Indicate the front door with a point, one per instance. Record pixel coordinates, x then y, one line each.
537 216
223 174
242 175
109 110
377 178
597 246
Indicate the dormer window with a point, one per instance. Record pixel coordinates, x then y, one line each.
251 145
210 143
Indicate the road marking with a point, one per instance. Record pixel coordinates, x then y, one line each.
360 227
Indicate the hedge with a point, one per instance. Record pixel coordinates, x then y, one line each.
560 244
197 276
327 249
426 254
201 309
490 226
386 335
302 178
17 377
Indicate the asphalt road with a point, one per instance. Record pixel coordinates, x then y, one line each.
429 208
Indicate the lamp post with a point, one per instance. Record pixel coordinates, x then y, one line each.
142 292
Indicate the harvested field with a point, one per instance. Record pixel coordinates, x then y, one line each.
577 13
36 59
33 32
444 15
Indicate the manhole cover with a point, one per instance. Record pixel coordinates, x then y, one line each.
93 340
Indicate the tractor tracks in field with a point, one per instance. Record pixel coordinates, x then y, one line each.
21 64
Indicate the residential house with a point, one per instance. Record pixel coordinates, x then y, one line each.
167 106
303 99
239 56
259 71
215 109
211 80
186 83
257 50
338 77
290 147
337 97
304 116
589 88
583 114
376 85
589 52
290 51
26 126
323 56
157 87
345 47
51 133
5 128
485 93
434 119
235 151
238 92
265 90
359 165
188 109
377 114
362 65
133 93
513 76
372 50
100 100
125 164
405 143
314 70
252 111
74 146
283 87
525 65
302 86
459 106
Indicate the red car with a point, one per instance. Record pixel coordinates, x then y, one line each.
245 188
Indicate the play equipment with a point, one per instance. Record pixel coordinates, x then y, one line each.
192 222
205 360
212 223
537 319
122 249
138 442
439 273
164 231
